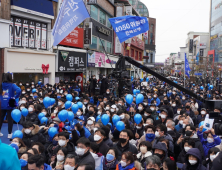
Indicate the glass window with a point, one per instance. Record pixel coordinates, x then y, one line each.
109 47
101 46
94 12
102 17
94 43
108 23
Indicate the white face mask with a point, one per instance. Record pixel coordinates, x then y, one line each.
192 162
55 111
112 110
152 109
107 92
140 108
178 112
97 138
169 129
122 116
62 142
60 157
28 131
30 109
210 140
154 96
187 149
157 134
99 112
68 167
107 108
44 113
163 116
80 151
202 112
23 92
59 103
78 113
173 104
145 114
184 125
89 122
123 164
164 94
85 102
138 127
183 98
31 94
95 129
181 122
21 108
212 157
145 104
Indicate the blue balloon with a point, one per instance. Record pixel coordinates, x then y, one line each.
201 87
47 102
70 116
137 118
80 104
105 119
69 97
98 117
44 120
52 101
77 98
201 124
16 115
17 134
40 116
129 98
25 112
68 104
131 77
115 119
63 115
141 79
137 91
39 82
134 91
33 90
75 108
52 131
147 79
139 98
120 126
208 84
193 84
211 86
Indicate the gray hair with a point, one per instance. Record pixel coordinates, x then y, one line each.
171 122
153 159
151 120
71 156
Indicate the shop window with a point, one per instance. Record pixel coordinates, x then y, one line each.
108 47
108 23
102 17
127 53
101 45
94 12
94 43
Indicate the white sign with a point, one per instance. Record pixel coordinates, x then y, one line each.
129 10
118 45
119 11
202 45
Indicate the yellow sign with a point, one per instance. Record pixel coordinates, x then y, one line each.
213 37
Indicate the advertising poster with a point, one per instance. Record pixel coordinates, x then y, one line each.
25 32
91 59
18 32
38 35
99 59
32 34
44 38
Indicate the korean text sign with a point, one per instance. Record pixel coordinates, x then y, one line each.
129 26
71 61
71 14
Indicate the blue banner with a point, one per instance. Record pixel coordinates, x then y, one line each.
187 67
71 14
129 26
197 58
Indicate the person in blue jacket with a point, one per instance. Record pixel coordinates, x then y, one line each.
9 92
211 141
37 161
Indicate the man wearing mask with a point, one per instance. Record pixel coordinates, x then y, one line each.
160 150
83 151
32 116
104 85
92 85
61 103
123 145
155 98
99 139
163 117
189 111
70 162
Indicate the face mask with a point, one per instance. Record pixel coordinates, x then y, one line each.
157 134
16 143
78 113
122 140
173 105
109 157
31 94
140 108
62 142
159 155
212 157
44 113
85 103
154 96
145 114
183 98
187 107
107 108
99 112
89 122
138 127
58 97
178 112
104 102
164 94
123 164
21 108
145 104
23 162
150 135
122 116
143 149
60 157
28 131
55 111
28 89
152 109
97 138
59 103
107 92
40 101
68 167
54 142
163 116
187 149
169 129
210 140
202 112
112 110
188 133
23 92
192 162
184 125
95 129
181 122
80 151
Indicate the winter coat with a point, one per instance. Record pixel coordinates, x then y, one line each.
70 147
161 146
34 136
128 147
217 162
182 156
207 146
31 117
8 158
139 131
8 91
109 165
104 85
92 84
199 145
103 148
109 142
21 151
169 138
47 167
141 158
195 152
86 159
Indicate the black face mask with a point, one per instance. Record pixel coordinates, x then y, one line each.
151 169
90 113
122 140
165 102
188 133
159 155
187 107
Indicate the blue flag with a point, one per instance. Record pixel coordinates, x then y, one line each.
71 14
129 26
187 67
197 58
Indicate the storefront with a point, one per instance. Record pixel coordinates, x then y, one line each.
29 65
71 64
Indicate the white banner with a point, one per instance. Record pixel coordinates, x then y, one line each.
129 10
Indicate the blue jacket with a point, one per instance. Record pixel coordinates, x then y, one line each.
9 90
178 127
157 101
47 167
9 158
207 146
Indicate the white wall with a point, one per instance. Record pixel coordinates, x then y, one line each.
4 33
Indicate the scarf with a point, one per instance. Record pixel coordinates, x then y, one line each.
109 164
130 166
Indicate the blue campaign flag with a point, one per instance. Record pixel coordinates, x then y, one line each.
71 14
187 67
129 26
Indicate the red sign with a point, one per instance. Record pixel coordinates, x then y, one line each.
74 39
137 43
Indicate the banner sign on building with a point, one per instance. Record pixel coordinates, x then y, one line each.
129 10
91 59
99 59
129 26
28 33
88 34
71 61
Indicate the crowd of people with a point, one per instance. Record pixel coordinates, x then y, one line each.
169 136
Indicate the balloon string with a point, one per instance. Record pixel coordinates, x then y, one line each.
18 126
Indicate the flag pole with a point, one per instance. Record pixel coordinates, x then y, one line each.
184 70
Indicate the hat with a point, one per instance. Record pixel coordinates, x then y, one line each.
80 117
68 128
164 110
92 118
204 109
56 119
148 110
15 147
